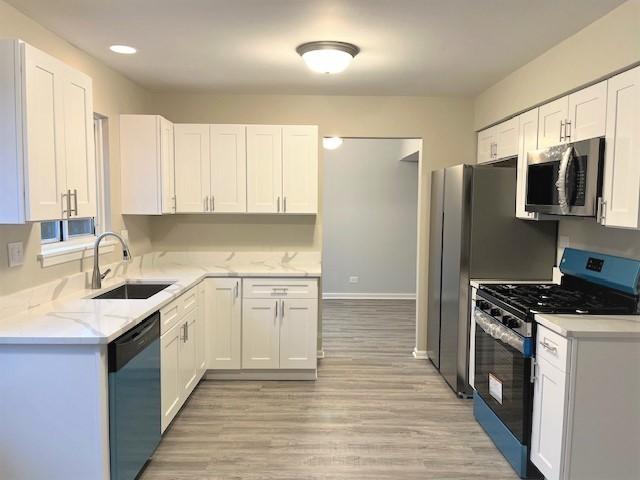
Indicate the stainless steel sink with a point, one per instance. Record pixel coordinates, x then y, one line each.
131 291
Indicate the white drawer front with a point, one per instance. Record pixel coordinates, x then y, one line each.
279 288
189 300
552 347
169 315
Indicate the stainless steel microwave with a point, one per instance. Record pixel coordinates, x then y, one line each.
565 179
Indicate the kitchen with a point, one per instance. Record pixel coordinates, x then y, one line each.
233 247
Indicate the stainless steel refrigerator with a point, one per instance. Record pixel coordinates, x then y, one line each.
475 234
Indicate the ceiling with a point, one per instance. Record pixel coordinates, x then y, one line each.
409 47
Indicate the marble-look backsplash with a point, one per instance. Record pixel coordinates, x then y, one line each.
157 261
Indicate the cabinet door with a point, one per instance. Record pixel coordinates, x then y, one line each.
260 333
80 162
192 167
187 362
486 145
224 317
199 334
300 169
551 120
44 140
228 168
507 138
621 184
548 419
298 333
167 167
170 376
264 169
527 141
587 113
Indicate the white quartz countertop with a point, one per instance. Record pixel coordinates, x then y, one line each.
602 326
78 319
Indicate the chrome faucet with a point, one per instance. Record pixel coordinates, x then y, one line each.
96 281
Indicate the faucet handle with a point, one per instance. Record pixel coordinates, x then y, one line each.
126 255
105 273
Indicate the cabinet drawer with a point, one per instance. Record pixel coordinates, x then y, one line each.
552 347
171 314
279 288
189 300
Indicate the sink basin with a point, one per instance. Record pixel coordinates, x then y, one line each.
133 291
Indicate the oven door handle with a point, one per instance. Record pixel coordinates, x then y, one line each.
497 330
563 182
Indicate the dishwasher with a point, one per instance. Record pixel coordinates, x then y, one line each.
134 398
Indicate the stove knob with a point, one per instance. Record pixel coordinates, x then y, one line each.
512 323
483 305
495 312
506 319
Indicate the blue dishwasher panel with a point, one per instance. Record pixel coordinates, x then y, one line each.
134 410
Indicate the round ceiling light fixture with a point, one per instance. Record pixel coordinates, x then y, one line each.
326 56
331 143
123 49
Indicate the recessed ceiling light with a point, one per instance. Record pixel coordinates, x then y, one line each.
123 49
327 57
331 143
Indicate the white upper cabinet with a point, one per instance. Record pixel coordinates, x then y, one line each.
47 155
527 141
228 168
300 169
587 113
578 116
192 168
498 142
486 145
146 151
264 168
621 183
507 138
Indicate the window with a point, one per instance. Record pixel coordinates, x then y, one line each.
77 234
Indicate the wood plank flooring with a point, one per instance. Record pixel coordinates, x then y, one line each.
374 413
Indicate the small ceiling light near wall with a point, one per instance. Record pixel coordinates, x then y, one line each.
331 143
123 49
327 57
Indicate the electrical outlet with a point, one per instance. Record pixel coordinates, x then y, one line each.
16 254
354 279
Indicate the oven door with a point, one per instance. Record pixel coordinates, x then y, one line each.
565 179
503 373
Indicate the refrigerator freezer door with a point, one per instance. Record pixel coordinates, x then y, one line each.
435 266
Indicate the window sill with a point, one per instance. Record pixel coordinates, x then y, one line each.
58 253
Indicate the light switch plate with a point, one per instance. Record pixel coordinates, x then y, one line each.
15 252
354 279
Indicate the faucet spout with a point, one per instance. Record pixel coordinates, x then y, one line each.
96 279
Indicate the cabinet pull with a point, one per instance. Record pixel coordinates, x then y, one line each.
561 130
549 347
278 204
282 311
285 204
276 315
175 204
206 203
600 215
62 200
186 331
567 136
75 202
213 203
235 290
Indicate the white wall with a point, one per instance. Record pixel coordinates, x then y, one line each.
586 234
370 218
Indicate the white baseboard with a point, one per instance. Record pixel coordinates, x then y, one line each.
420 354
261 375
368 296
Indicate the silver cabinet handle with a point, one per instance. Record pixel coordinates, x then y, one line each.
549 347
186 331
206 203
235 290
62 200
213 203
282 311
561 130
601 215
285 204
567 136
276 315
175 204
75 202
278 204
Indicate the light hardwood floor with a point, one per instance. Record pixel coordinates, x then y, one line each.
374 413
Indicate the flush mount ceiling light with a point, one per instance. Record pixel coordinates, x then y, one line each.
331 143
327 57
123 49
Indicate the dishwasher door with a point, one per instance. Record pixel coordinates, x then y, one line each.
134 398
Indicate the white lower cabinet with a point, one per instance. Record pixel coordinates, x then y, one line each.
223 323
183 351
548 413
585 406
298 327
170 378
260 333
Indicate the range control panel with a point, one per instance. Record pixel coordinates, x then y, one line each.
506 318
